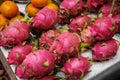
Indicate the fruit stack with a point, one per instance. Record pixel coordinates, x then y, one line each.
9 12
35 5
52 39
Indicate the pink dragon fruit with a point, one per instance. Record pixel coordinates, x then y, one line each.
36 64
15 33
48 37
45 19
70 8
87 35
104 28
105 50
76 67
117 20
66 43
105 9
94 5
45 78
79 23
18 54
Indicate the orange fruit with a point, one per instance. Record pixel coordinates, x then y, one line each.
3 21
18 17
53 6
39 3
49 1
31 10
9 9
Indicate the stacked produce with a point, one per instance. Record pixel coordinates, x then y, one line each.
42 46
9 12
36 5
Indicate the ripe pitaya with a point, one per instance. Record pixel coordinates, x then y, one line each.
45 19
105 9
15 33
104 28
79 23
117 20
36 64
105 50
18 54
87 35
94 5
48 37
70 8
66 43
76 67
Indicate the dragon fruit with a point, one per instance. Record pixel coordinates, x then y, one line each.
104 28
76 67
105 9
70 8
18 53
117 20
79 23
87 36
94 5
45 19
15 33
66 43
48 37
105 50
36 64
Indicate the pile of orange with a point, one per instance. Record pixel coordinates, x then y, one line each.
35 5
8 12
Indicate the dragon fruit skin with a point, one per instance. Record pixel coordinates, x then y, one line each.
105 50
37 63
105 9
45 19
75 67
87 36
48 37
94 5
67 43
15 33
18 54
70 8
79 23
104 28
117 20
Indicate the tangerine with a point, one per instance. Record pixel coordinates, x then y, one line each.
9 9
49 1
31 10
18 17
53 6
39 3
3 21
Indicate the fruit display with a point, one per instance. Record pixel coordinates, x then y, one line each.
9 12
34 6
52 37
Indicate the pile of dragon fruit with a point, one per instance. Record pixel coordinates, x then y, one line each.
40 50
